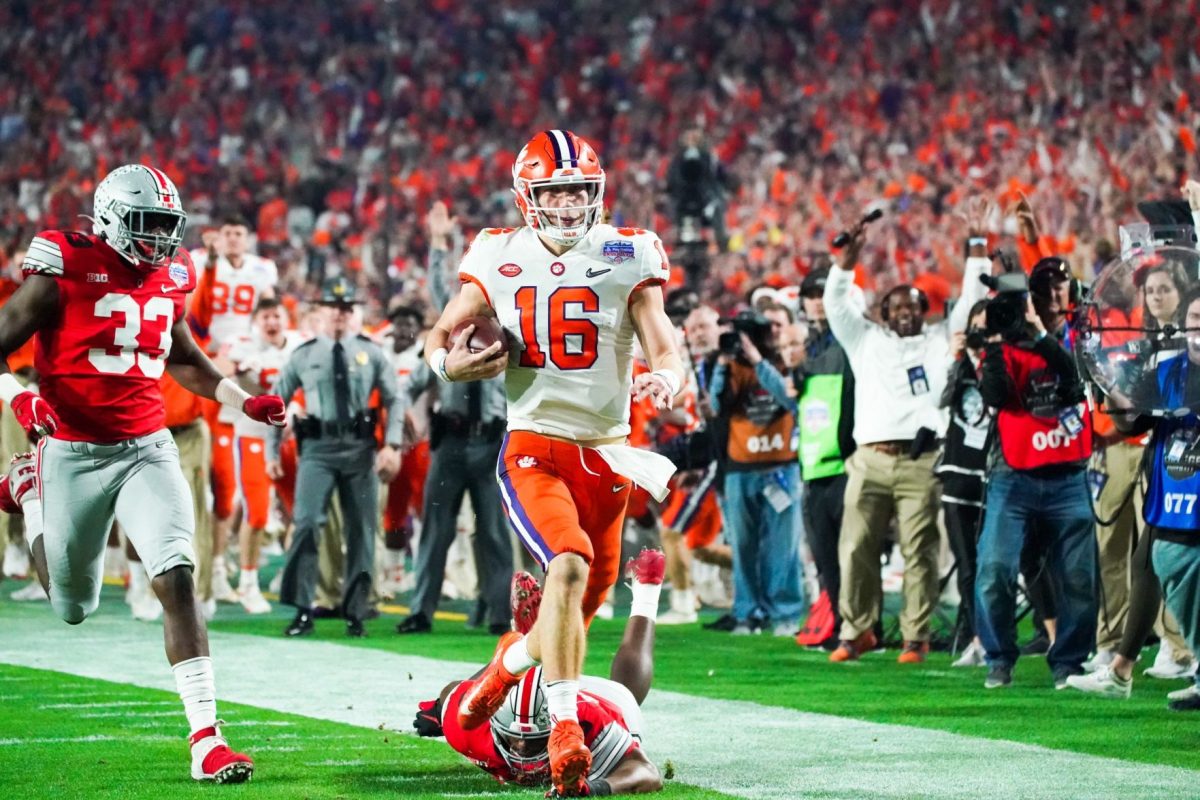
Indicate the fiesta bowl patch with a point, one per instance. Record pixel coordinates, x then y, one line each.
178 273
509 270
618 250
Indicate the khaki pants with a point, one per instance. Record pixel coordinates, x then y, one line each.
195 454
331 558
880 485
1120 463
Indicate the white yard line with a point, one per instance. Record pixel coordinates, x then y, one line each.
739 748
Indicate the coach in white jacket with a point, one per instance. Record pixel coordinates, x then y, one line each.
900 370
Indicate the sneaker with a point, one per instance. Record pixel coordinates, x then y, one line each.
676 616
146 607
212 760
221 590
1167 668
1061 677
208 609
31 592
972 656
746 629
851 649
487 695
1185 702
1102 681
570 758
786 629
913 653
1039 645
253 601
525 599
1184 694
724 623
998 677
1103 658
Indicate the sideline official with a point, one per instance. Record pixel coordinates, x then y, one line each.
338 370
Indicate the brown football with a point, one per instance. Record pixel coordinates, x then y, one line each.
487 331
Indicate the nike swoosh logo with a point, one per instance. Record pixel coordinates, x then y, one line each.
593 273
619 487
166 287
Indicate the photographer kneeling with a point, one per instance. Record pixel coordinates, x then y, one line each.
762 476
1038 467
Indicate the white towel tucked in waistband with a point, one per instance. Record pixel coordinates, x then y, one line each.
648 470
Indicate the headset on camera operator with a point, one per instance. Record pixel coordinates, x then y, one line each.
1043 444
900 370
762 476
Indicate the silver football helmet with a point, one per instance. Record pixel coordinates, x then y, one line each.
521 728
139 214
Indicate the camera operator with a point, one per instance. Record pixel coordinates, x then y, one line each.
762 477
696 184
1171 512
1043 444
826 419
900 372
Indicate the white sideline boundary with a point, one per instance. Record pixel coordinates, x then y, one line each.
736 747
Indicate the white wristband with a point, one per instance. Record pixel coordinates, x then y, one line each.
230 394
669 377
437 362
10 387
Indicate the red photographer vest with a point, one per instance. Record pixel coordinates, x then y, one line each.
1035 429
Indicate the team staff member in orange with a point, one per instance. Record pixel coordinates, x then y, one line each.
573 293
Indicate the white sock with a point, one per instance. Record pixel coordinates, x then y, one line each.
562 701
31 507
247 580
517 659
645 599
198 691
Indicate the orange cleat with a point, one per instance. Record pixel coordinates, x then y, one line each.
570 758
526 601
487 695
913 653
212 760
851 650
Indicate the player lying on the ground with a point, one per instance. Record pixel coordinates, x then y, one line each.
108 310
513 748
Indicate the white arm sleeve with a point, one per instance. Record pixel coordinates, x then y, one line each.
971 293
846 320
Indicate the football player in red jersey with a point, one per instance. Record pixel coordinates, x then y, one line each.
108 313
513 747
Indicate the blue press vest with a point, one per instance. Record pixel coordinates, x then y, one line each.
1173 493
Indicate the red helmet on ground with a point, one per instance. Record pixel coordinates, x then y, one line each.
558 158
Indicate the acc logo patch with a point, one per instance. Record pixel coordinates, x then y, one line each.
509 270
524 462
557 268
178 273
618 251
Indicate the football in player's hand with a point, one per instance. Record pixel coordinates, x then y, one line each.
487 332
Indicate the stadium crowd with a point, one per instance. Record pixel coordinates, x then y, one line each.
354 145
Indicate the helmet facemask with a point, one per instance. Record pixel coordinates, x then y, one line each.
523 723
146 234
553 222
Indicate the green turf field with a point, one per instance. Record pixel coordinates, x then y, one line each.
67 736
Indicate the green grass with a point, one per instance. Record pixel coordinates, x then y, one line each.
143 754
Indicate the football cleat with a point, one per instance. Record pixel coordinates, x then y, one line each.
212 760
648 567
526 601
487 695
570 758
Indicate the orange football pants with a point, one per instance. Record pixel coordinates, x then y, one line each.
256 486
694 513
563 498
224 469
406 493
285 487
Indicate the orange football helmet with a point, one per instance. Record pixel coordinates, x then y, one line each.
558 158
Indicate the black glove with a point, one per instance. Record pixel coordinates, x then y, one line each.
428 721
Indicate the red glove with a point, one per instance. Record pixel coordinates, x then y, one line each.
35 415
266 408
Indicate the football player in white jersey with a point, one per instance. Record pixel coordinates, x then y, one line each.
257 360
232 282
572 293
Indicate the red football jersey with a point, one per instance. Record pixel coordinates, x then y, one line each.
99 362
604 729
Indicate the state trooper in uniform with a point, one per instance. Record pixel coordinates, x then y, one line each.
338 370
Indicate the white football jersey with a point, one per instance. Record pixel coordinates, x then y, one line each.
262 360
235 294
571 372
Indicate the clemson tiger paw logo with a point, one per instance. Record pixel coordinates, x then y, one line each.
524 462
